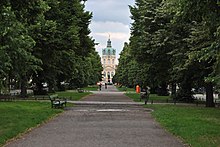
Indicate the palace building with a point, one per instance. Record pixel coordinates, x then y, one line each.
108 62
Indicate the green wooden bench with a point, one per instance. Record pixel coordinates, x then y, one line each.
56 102
6 98
80 90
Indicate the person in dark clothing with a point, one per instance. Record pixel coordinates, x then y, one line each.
105 85
100 86
145 92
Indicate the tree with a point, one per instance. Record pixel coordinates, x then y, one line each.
66 46
176 42
149 44
18 45
51 38
202 52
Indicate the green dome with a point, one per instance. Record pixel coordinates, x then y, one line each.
108 50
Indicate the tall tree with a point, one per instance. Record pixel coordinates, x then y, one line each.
18 45
202 52
176 41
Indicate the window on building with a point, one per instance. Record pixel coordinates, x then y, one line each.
104 74
108 61
103 61
103 52
108 77
112 74
113 61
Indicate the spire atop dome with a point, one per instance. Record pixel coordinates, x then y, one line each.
109 42
109 50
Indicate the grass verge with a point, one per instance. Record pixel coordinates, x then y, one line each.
154 97
123 88
197 126
91 88
18 117
72 95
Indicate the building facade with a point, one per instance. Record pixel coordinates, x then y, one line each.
108 62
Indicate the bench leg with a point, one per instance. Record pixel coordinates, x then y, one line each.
145 102
63 105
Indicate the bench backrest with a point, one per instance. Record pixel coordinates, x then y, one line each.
53 96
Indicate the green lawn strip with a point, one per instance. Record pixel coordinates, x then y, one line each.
130 89
71 95
91 88
197 126
17 117
123 88
134 96
154 97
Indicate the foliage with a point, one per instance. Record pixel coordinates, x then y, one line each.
128 71
173 42
46 41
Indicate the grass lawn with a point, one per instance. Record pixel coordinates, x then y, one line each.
91 88
197 126
18 117
123 88
154 97
72 95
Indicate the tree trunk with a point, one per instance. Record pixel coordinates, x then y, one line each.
24 86
51 87
173 91
209 95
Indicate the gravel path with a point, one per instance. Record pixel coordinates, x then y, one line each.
100 125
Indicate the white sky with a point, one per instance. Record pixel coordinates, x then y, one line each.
110 17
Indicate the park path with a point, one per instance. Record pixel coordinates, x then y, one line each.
112 120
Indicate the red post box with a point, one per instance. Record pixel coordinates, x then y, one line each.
138 89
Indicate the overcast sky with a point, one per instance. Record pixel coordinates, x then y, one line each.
110 17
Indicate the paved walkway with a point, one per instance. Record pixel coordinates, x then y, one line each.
109 124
